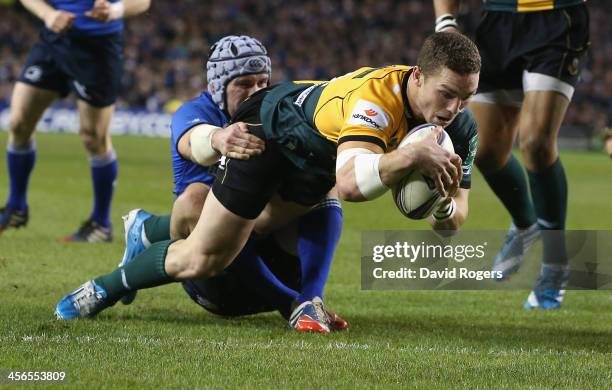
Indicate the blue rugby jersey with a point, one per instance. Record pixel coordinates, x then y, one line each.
84 25
201 110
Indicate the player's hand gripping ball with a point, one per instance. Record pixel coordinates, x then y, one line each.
416 195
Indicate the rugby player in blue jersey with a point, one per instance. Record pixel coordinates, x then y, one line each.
291 272
80 51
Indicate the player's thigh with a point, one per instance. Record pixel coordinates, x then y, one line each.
280 213
540 121
277 214
94 127
28 103
497 128
186 210
213 244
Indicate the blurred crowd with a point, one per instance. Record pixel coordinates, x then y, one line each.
165 49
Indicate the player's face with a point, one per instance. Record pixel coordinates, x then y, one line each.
242 87
444 95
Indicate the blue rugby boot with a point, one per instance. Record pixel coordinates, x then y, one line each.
11 218
135 242
512 253
310 316
85 301
549 289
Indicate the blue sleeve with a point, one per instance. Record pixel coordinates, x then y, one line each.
186 117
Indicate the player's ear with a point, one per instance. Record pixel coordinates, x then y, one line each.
418 76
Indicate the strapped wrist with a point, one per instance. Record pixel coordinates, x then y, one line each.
445 212
200 140
367 176
446 21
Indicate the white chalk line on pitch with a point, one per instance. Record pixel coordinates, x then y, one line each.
292 345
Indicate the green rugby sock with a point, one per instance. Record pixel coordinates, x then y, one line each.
144 271
549 192
510 186
157 228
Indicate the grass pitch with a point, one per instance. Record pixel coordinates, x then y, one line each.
396 339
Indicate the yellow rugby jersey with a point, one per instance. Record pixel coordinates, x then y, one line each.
369 104
307 119
528 5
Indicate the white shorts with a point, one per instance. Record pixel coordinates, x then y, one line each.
531 82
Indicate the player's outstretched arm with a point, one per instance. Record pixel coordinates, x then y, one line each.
452 213
364 172
205 144
105 11
55 20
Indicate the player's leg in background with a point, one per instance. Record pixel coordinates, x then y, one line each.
541 119
95 135
27 106
549 83
497 129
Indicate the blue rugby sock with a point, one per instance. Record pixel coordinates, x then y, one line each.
254 273
319 232
103 174
20 163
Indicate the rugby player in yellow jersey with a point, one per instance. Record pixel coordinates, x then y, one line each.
532 52
342 132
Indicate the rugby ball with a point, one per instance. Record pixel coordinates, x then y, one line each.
415 195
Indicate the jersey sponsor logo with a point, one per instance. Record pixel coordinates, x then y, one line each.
366 113
33 73
304 94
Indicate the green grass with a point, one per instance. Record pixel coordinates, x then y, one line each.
397 339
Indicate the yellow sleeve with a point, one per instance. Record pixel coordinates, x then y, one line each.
368 116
